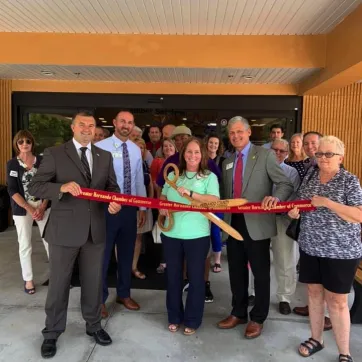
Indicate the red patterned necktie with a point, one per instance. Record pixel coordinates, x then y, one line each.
238 177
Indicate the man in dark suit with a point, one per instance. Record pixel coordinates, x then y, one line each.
76 227
250 173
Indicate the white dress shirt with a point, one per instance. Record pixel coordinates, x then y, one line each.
88 153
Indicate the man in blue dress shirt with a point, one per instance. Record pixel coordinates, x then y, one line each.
122 228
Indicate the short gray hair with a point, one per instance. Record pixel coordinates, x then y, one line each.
237 119
135 128
282 141
332 140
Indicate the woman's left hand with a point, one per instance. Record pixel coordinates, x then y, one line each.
182 191
38 214
320 201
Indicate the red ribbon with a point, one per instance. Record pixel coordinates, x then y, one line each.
139 201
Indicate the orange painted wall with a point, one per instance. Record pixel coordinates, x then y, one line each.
205 51
338 114
5 126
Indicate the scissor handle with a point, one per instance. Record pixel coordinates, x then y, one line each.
165 174
161 220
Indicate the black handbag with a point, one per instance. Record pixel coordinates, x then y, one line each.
293 229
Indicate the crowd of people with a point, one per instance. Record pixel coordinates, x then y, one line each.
308 167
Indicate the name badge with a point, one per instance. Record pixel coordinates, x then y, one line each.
117 155
13 173
229 166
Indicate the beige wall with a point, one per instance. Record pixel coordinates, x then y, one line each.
338 114
5 126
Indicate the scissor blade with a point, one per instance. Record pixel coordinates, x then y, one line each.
223 225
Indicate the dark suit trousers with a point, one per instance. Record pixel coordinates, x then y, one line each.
61 262
257 252
194 251
121 231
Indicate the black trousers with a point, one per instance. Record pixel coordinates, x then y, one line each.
194 251
61 263
257 253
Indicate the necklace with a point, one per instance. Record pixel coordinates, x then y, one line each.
190 178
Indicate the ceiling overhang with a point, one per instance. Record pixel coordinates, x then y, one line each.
194 51
343 58
152 88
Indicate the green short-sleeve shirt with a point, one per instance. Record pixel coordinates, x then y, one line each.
189 224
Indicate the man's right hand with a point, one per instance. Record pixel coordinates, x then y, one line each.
71 187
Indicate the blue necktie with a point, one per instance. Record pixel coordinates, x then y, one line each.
126 170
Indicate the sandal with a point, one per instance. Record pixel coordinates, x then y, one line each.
29 291
138 274
345 358
216 268
189 331
312 346
173 328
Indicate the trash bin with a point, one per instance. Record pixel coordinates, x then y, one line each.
4 208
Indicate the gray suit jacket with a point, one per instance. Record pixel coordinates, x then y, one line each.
261 172
71 218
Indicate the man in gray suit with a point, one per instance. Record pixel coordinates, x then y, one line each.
250 173
76 227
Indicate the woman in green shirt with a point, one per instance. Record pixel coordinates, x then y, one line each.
189 238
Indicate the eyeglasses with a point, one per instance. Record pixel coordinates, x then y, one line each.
326 154
276 150
28 142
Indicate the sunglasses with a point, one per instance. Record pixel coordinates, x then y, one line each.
326 154
276 150
20 142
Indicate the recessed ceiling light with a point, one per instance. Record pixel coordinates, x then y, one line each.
211 124
101 118
253 120
107 126
104 121
47 73
248 77
184 119
147 125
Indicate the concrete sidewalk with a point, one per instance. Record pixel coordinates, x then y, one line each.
143 336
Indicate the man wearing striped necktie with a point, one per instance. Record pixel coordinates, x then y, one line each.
122 228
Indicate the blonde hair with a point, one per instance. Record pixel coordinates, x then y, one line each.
332 140
291 153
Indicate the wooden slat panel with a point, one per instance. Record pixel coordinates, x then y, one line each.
5 126
338 114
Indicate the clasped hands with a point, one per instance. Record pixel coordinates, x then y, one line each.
74 189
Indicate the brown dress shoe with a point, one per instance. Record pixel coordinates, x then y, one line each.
253 330
104 312
231 322
327 324
129 303
303 311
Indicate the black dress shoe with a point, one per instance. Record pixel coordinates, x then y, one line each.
101 337
284 308
49 348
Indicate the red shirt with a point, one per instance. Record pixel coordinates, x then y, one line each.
153 147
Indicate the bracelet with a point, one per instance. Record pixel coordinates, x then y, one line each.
191 193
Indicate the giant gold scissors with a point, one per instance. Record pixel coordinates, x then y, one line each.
212 217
